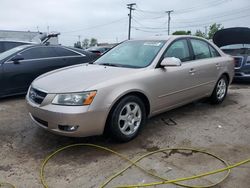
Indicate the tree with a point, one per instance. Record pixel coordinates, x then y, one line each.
213 29
93 42
182 33
77 44
199 33
85 43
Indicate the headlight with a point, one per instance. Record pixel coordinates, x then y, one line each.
74 99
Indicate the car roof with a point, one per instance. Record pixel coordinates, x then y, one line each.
67 47
20 41
167 37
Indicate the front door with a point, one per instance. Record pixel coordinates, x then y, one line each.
37 60
173 86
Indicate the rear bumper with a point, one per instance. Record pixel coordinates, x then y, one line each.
50 116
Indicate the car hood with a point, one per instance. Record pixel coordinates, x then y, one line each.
236 35
79 78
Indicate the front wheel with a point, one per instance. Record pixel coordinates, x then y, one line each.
220 90
127 118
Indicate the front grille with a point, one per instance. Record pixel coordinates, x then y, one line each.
42 122
238 74
37 96
238 61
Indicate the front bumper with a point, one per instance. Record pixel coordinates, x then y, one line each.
49 117
241 76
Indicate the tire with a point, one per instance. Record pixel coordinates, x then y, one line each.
126 119
220 90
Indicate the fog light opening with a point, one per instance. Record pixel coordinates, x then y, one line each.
68 128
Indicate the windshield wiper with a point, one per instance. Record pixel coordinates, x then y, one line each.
109 64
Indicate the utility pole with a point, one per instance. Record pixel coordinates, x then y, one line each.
169 18
206 31
130 7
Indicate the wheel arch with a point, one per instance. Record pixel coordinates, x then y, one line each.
137 93
227 76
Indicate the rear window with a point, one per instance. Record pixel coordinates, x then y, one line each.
65 52
237 49
214 52
201 49
235 46
7 45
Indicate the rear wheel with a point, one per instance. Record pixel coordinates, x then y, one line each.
127 118
220 90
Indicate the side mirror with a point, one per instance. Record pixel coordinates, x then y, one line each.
17 58
171 62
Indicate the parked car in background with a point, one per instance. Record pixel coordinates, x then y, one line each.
8 44
135 80
99 50
236 42
19 66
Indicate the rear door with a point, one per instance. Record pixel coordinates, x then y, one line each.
206 66
37 60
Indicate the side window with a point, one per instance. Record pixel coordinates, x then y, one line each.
39 52
2 47
10 45
65 52
179 49
214 52
201 49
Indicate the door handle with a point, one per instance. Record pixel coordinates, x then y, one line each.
192 71
217 65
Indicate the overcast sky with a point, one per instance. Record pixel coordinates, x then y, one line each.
108 20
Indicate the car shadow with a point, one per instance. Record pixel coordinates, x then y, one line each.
11 98
37 143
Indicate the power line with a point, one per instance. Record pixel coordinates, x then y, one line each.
148 31
201 6
148 18
225 14
198 7
185 26
207 23
96 26
146 27
130 7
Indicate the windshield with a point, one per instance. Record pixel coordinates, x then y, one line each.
11 51
135 54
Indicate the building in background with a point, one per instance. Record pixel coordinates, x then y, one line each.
25 36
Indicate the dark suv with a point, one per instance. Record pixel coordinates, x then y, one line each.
236 42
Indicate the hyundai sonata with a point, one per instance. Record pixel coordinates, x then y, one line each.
135 80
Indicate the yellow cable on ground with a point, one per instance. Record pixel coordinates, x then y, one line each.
134 163
4 184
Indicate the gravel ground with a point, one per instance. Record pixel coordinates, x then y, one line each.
223 130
